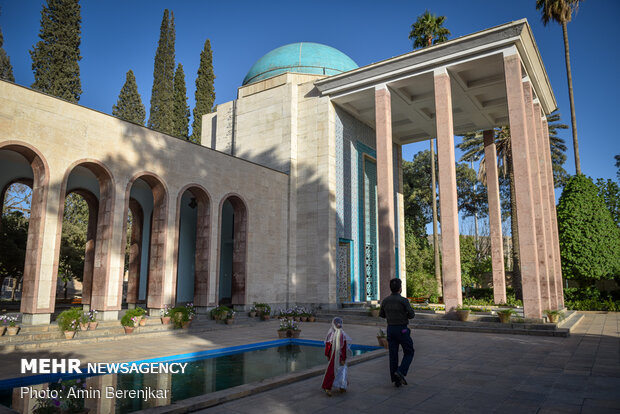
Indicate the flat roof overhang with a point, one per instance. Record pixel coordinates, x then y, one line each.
475 64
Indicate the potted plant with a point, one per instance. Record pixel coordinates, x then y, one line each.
180 317
311 316
505 314
462 313
165 315
220 314
252 312
12 328
264 310
288 329
84 322
129 321
553 316
304 316
92 320
374 310
382 338
140 314
2 322
69 321
230 317
191 310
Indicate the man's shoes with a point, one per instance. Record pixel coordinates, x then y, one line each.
401 378
397 383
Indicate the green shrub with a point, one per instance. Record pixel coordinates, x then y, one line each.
138 311
130 314
589 238
179 315
221 312
68 320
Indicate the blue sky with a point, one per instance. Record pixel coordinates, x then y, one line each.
122 35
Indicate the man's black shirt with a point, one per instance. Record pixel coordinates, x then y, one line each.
396 310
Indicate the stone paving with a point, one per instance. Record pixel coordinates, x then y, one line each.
452 371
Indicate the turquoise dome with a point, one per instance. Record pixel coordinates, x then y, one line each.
306 57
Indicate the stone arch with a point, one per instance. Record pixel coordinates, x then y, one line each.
155 298
202 200
98 249
38 206
239 250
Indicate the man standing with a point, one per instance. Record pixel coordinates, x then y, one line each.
398 311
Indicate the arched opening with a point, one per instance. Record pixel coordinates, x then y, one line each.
20 164
193 218
85 237
233 251
147 211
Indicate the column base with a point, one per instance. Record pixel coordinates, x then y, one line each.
36 318
110 315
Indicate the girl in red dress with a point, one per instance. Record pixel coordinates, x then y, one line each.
336 344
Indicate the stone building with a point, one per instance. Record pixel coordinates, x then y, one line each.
295 195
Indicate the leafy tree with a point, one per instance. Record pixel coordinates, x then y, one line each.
205 91
428 30
417 191
609 191
73 239
420 263
17 198
161 116
6 70
129 104
472 197
14 232
180 109
589 238
55 57
561 11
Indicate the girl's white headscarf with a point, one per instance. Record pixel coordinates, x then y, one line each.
336 335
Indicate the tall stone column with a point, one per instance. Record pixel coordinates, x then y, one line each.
385 189
537 197
451 264
523 186
546 207
495 218
555 239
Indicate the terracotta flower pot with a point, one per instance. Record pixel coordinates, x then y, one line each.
165 320
92 325
295 334
374 313
304 318
186 324
69 334
252 314
382 341
311 318
503 318
143 321
462 315
84 326
282 334
12 330
128 329
230 321
2 329
553 318
264 317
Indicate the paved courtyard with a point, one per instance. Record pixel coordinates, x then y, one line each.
460 372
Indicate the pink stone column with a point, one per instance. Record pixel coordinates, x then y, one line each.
451 263
385 189
545 203
537 197
555 239
523 187
495 218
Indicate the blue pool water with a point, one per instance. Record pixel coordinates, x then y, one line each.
206 372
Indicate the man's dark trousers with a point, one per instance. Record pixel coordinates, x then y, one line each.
399 335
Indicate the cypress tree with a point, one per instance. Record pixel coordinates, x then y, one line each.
55 57
162 99
129 105
205 91
181 108
6 70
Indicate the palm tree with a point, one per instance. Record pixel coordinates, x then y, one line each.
423 31
562 11
428 30
473 147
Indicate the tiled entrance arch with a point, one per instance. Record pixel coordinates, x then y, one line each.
202 201
99 235
239 249
34 245
159 223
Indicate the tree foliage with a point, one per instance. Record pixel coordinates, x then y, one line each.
205 91
13 244
180 107
129 104
161 116
589 238
420 263
428 30
617 158
73 238
6 70
609 191
55 58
